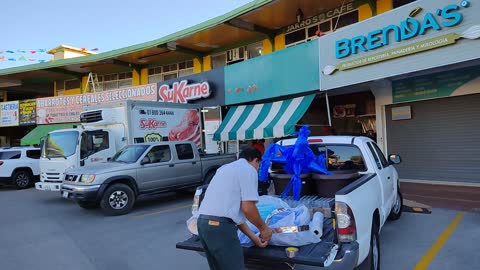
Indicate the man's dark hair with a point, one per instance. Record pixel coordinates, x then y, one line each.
250 153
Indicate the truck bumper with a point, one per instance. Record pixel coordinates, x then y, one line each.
347 258
48 186
80 193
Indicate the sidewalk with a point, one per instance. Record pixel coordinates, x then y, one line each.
442 196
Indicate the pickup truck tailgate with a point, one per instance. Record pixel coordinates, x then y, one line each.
313 254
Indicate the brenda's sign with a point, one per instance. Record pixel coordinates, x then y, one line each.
67 109
9 114
27 112
449 16
322 17
182 92
417 36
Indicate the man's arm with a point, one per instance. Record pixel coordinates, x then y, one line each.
255 239
251 213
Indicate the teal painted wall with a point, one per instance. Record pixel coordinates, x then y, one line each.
289 71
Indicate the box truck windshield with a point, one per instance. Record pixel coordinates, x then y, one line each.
60 144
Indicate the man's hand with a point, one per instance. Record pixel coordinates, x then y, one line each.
266 234
259 242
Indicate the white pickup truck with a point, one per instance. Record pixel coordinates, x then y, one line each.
366 193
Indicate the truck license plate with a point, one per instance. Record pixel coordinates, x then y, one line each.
47 187
65 195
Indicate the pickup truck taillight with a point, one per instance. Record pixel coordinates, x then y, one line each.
347 230
196 200
1 162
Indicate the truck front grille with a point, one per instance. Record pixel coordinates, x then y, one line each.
91 117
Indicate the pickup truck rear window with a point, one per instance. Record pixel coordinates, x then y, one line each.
341 157
184 151
10 155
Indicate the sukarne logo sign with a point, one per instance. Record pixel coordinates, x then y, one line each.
182 92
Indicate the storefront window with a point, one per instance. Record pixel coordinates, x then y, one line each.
237 55
168 72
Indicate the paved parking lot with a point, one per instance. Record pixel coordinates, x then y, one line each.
40 230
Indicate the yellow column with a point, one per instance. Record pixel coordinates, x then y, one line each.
55 88
144 76
207 63
364 12
83 86
384 6
267 46
135 77
280 42
197 66
75 91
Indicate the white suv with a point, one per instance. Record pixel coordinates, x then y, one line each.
19 166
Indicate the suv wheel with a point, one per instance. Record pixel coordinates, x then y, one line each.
22 179
117 200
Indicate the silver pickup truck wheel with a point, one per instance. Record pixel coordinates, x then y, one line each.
118 199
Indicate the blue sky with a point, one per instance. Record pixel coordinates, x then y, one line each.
31 25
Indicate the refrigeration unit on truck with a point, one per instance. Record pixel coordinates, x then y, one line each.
105 129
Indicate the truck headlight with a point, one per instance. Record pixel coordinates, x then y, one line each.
87 178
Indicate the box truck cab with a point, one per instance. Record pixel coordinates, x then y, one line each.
105 129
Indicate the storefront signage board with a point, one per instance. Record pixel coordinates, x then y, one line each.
449 83
418 36
322 16
9 114
27 112
67 109
290 71
206 89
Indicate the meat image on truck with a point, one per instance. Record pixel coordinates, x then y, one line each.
362 191
105 129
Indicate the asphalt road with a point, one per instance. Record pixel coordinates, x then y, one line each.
40 230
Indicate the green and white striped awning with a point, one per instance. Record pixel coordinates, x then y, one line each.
268 120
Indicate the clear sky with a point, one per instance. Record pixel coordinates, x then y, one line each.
28 26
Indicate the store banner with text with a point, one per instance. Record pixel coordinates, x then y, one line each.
27 112
67 109
9 114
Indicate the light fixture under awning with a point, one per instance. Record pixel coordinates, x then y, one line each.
267 120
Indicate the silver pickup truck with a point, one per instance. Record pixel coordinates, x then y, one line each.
140 169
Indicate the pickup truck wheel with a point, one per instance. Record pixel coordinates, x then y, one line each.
117 200
22 179
396 211
372 262
88 205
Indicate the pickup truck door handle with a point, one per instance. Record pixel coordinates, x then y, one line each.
388 178
171 165
194 162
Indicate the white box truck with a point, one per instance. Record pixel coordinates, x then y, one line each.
105 129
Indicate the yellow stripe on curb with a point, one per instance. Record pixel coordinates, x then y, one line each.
428 257
163 211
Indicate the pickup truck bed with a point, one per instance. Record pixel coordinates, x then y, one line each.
313 254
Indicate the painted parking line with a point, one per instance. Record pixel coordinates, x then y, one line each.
163 211
428 257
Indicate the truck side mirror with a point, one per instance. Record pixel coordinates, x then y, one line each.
109 158
395 159
145 160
